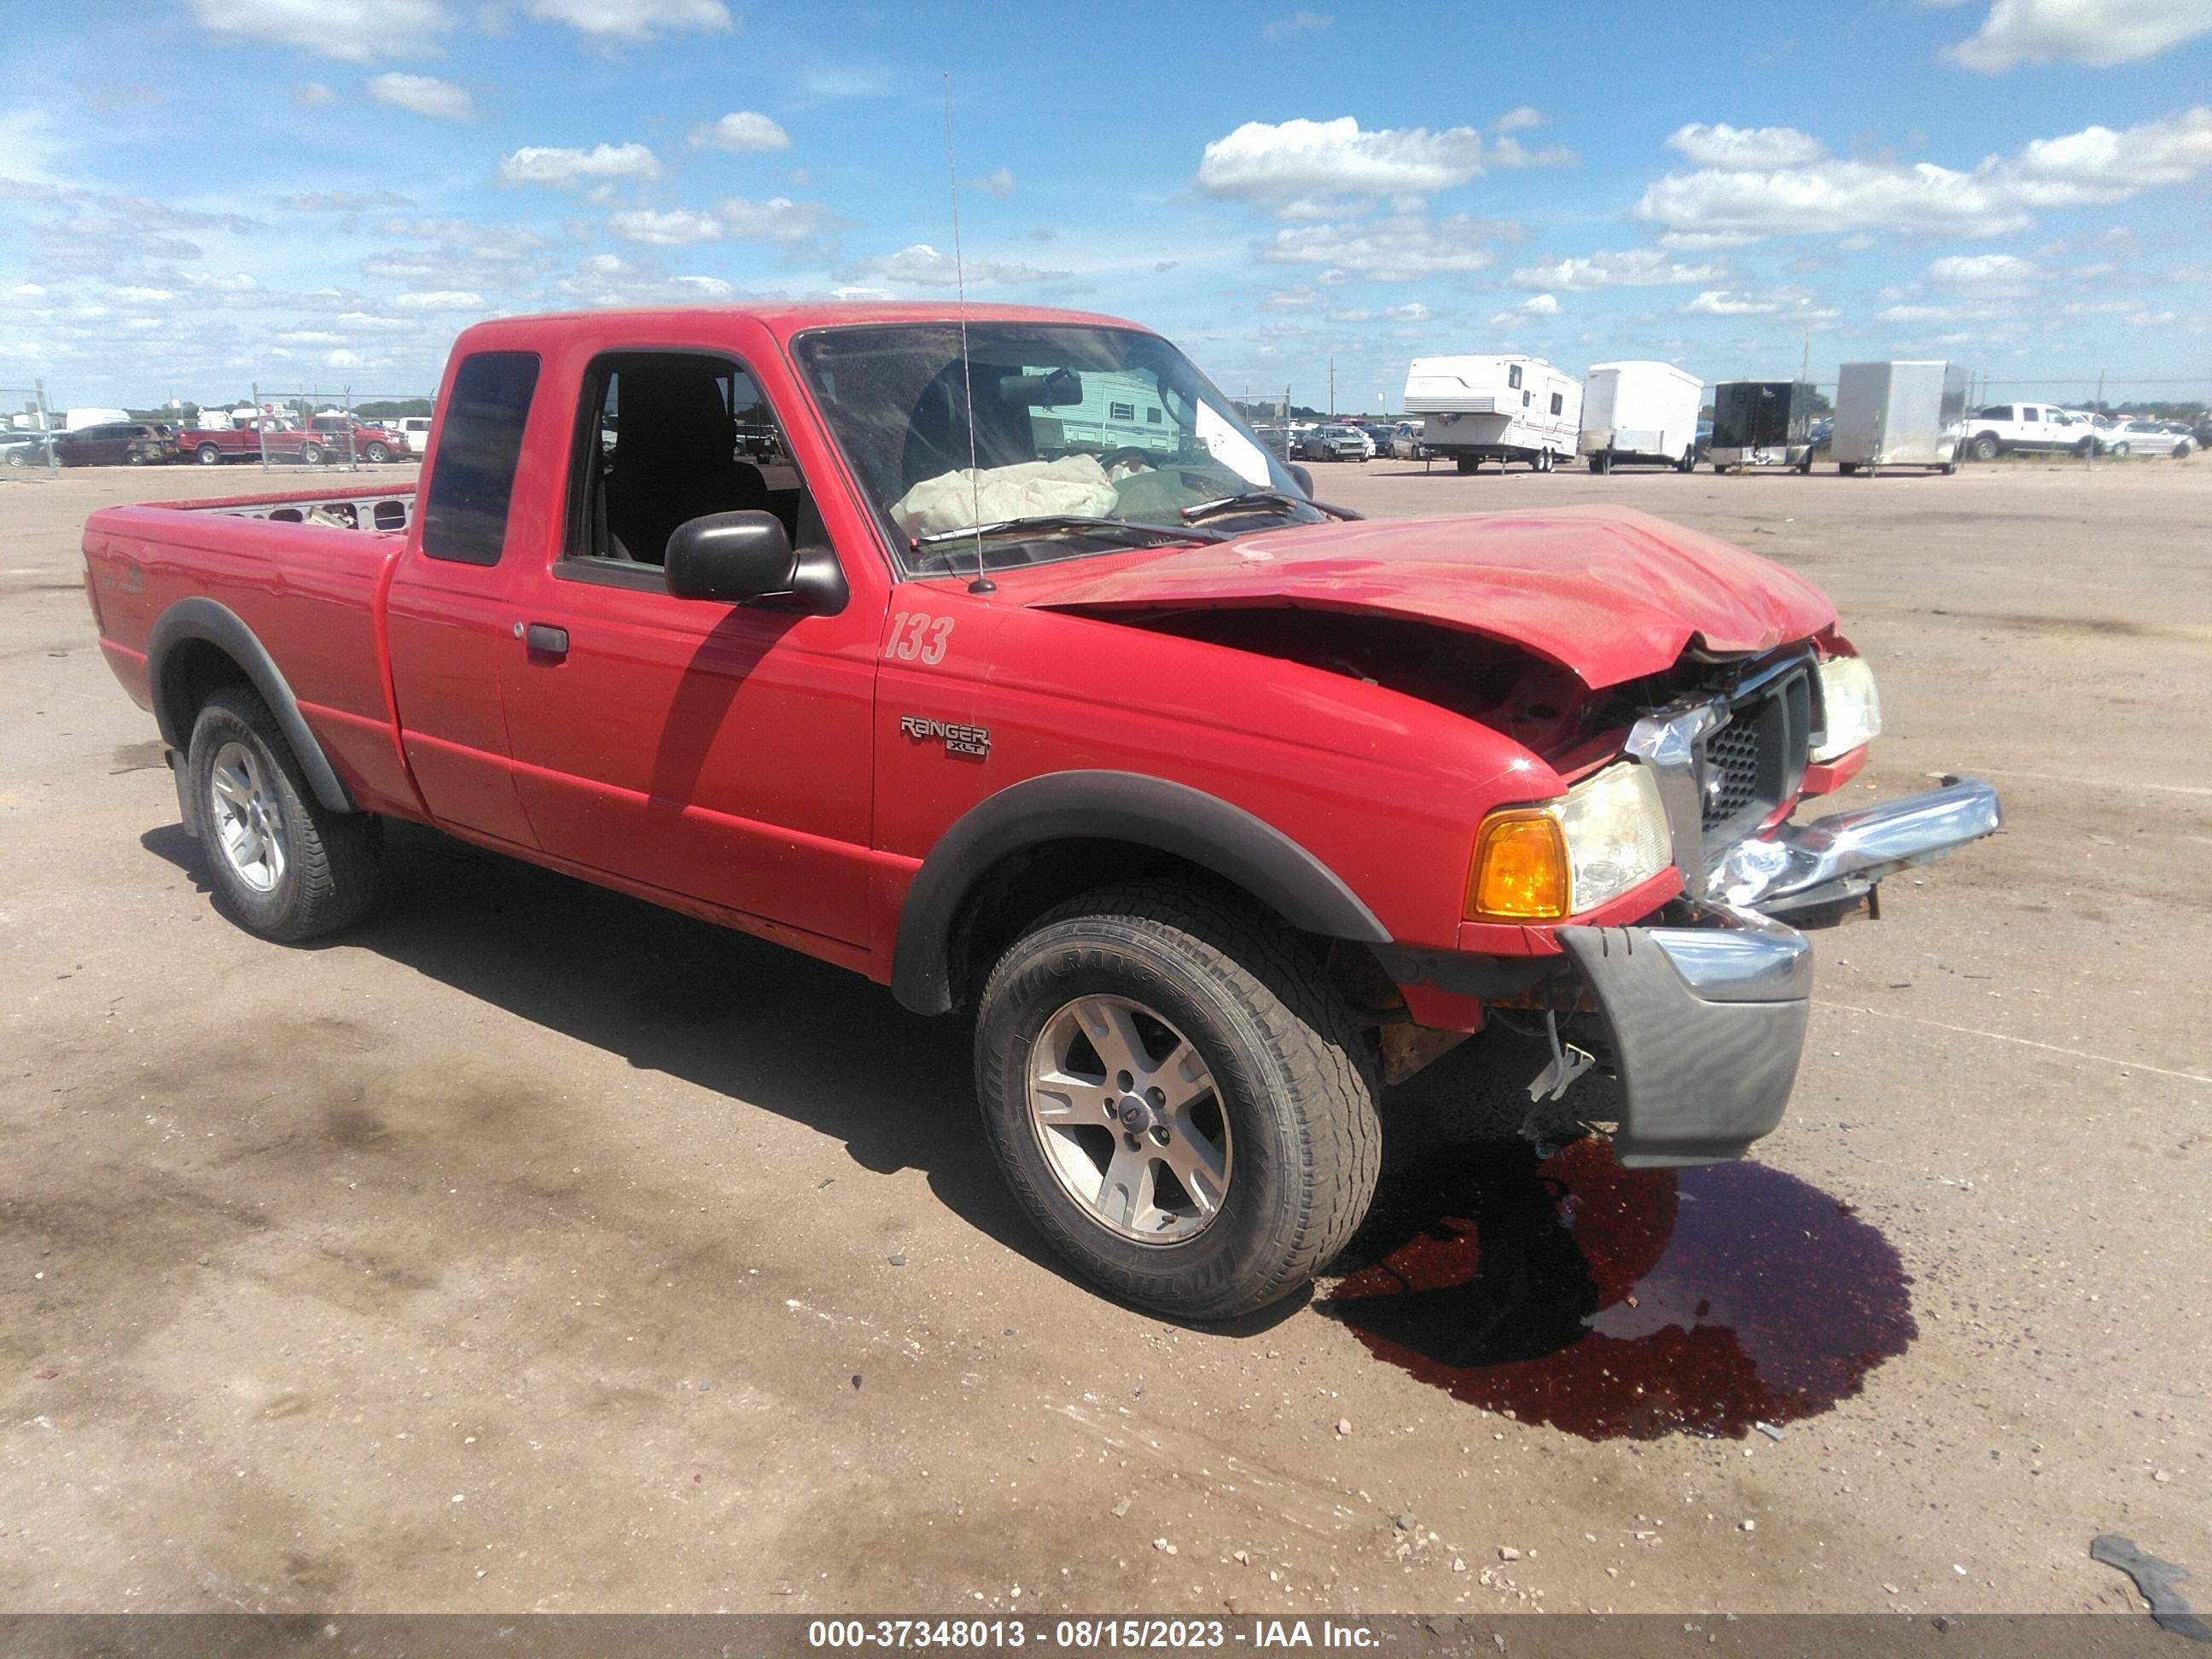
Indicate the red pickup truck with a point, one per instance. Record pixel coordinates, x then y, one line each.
1025 680
324 439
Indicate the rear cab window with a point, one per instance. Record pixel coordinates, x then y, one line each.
473 474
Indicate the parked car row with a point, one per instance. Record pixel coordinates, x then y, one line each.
110 443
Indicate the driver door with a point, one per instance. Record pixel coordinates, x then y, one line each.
701 750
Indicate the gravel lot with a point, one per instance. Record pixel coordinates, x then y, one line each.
531 1248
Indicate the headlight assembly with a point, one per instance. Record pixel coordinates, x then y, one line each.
1850 708
1543 863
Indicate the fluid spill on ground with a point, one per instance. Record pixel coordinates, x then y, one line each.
1611 1303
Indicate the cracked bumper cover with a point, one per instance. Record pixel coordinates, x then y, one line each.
1708 1023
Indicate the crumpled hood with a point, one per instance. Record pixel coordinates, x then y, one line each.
1608 593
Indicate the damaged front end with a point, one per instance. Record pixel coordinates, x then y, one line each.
1706 1019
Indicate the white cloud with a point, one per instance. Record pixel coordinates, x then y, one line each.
1298 22
1518 120
1640 267
745 132
1720 145
1395 248
1540 305
1298 168
443 299
351 31
778 220
1412 312
1999 197
1795 303
1984 271
314 94
2098 32
1290 299
678 228
628 19
998 182
425 95
29 149
572 169
920 265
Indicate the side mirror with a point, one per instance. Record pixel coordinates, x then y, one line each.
1301 478
737 557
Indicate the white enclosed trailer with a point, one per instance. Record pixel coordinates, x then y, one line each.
1900 413
1495 409
1640 412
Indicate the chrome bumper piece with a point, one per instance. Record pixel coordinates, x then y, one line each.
1803 867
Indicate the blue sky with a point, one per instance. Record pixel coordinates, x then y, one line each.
199 194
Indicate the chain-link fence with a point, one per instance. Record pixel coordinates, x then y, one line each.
308 430
26 429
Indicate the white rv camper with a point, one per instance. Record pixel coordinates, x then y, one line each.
1640 412
1495 409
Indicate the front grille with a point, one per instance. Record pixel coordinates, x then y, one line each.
1731 771
1752 765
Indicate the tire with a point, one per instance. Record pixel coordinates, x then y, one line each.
1688 463
1287 1106
1469 463
377 453
2084 449
209 455
1985 447
1847 468
311 454
2119 452
323 873
1600 461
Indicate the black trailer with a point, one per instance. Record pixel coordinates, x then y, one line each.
1762 424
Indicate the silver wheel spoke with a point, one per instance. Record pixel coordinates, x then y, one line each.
247 821
1113 1033
1183 1078
1058 1097
1125 1195
1198 1169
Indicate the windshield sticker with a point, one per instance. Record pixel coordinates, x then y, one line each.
1231 448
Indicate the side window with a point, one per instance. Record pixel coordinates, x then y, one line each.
2002 412
1513 377
1558 402
473 476
665 437
2029 412
1151 416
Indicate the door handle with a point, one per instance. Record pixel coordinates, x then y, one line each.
546 640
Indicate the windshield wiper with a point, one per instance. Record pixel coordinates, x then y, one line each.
1260 500
1047 523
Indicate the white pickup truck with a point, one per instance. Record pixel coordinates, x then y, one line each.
2038 428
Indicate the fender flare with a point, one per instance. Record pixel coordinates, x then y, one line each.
1126 806
200 618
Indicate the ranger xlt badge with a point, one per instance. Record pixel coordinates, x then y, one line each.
957 739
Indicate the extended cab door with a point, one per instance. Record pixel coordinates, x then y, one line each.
449 624
708 750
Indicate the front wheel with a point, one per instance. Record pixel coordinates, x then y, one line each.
1178 1098
378 452
282 865
311 454
2119 452
1469 463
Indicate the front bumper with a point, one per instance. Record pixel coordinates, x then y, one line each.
1707 1022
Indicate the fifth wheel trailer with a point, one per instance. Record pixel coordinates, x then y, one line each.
1762 424
1900 413
1501 409
1644 413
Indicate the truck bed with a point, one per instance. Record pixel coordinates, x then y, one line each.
302 570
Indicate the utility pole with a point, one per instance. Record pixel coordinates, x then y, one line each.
1332 388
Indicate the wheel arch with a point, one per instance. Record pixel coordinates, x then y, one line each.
1045 840
198 646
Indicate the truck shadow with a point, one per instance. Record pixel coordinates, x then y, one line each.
1603 1302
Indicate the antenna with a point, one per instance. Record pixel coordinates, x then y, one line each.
983 584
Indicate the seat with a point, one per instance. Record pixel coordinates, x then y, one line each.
675 458
937 440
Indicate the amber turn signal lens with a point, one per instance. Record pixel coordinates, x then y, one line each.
1520 871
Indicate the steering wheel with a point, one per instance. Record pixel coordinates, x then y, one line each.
1152 459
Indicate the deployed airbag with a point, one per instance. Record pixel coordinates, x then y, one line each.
970 496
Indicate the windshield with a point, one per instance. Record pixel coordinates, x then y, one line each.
1084 429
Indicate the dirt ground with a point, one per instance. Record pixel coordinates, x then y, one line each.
531 1248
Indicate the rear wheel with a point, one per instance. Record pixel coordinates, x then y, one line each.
1985 447
209 455
1178 1098
282 863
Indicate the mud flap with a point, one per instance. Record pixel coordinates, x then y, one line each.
1707 1025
